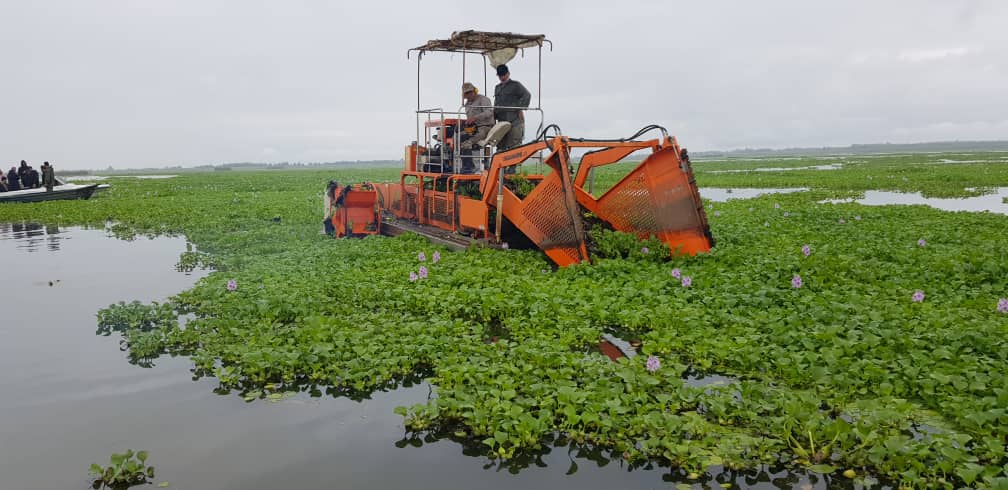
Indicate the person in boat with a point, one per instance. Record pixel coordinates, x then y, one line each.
48 176
3 183
23 174
479 120
33 179
13 181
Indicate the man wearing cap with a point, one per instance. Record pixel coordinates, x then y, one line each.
508 94
479 115
479 120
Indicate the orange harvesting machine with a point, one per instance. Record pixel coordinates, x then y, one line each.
456 198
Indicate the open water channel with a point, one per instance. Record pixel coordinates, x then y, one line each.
69 398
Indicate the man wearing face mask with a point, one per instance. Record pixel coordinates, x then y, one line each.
508 95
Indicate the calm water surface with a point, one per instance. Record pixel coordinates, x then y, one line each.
69 398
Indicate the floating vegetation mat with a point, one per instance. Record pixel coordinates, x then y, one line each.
847 339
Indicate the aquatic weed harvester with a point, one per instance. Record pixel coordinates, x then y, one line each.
497 202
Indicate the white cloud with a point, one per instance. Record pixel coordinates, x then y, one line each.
923 55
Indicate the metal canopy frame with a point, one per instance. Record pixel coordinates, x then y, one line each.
480 43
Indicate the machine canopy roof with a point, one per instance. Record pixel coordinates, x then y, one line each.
483 42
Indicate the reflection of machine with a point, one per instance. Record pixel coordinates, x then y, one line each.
496 205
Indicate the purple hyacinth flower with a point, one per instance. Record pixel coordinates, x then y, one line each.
1002 305
841 221
786 214
857 217
423 272
412 276
421 257
676 273
806 250
645 250
687 281
921 242
232 285
776 205
796 281
436 257
717 213
505 246
653 363
918 296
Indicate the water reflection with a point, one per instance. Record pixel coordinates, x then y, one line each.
30 236
560 451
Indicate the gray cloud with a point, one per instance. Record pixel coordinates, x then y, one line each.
90 84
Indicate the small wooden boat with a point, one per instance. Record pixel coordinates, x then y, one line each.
60 191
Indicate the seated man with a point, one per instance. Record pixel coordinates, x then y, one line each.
479 120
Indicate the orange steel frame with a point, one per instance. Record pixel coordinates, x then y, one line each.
657 198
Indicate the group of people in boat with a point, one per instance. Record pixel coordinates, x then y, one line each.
26 177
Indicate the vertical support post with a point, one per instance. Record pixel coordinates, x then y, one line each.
539 90
500 201
416 123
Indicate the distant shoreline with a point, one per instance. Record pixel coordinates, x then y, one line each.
856 149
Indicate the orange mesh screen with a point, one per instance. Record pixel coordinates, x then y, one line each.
544 219
658 198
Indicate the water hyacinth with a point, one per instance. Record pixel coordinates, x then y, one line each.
687 281
857 217
806 250
653 364
1002 305
645 250
232 285
717 213
436 257
796 281
918 296
676 273
921 242
412 276
786 214
776 205
505 246
766 224
841 221
423 272
421 257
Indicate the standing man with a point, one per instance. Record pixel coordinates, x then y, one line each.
22 172
48 176
509 95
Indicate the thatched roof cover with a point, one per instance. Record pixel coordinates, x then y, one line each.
483 42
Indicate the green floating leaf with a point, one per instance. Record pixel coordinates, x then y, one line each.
825 469
163 484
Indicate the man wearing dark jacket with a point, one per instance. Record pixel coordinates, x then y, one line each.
23 174
509 96
13 181
48 177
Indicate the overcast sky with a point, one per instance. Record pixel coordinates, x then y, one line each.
87 84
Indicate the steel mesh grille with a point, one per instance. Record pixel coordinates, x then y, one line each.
438 209
634 206
544 209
